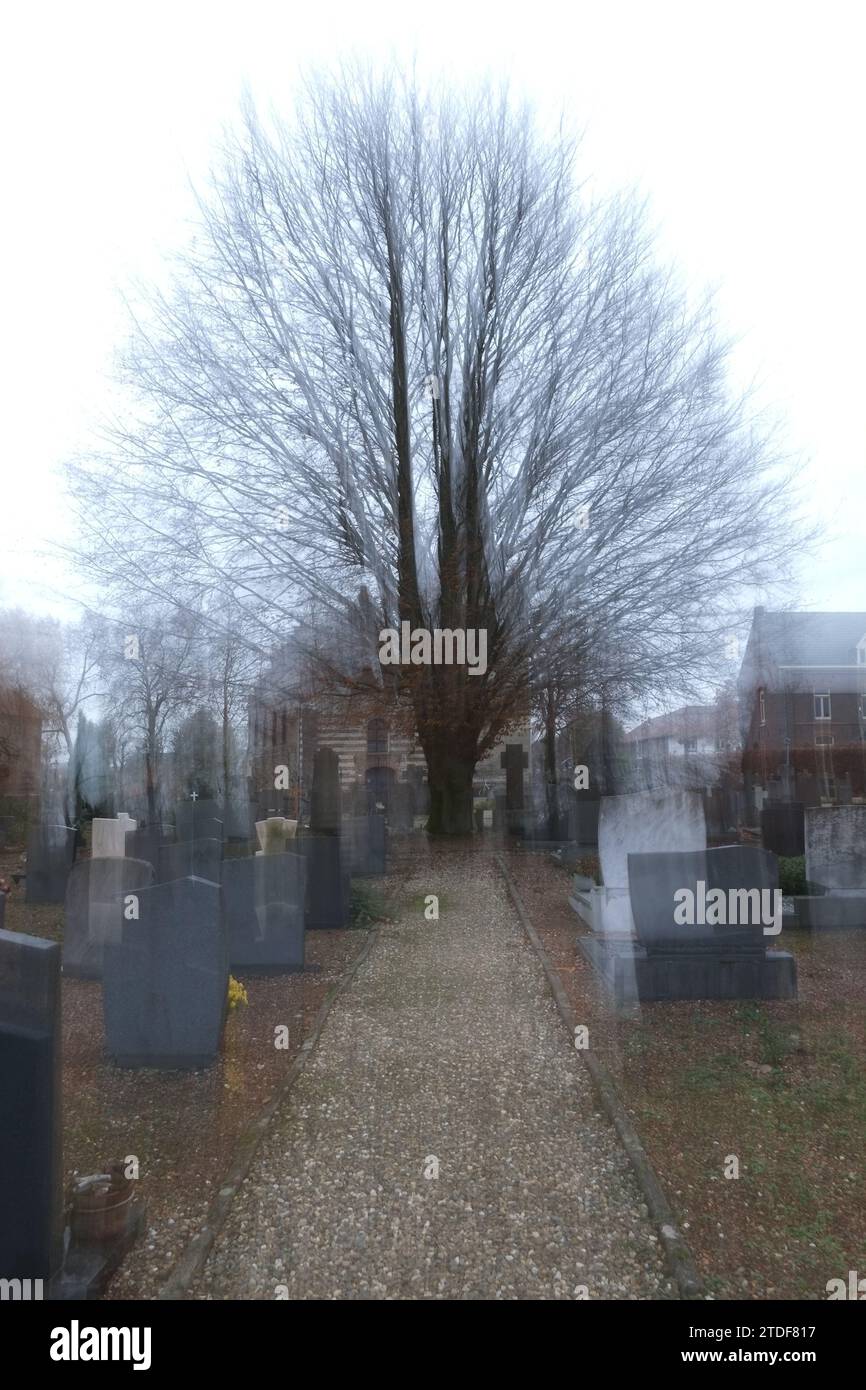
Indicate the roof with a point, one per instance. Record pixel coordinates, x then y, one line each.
691 721
808 639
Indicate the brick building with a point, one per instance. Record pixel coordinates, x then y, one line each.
802 693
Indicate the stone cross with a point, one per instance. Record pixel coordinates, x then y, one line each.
514 760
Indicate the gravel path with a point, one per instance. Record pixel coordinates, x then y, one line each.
446 1052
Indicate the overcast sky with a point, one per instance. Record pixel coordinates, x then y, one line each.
742 122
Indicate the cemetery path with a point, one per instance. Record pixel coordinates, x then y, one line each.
446 1054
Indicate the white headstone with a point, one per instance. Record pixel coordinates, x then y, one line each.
647 823
108 839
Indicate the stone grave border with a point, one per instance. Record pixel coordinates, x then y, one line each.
193 1258
679 1257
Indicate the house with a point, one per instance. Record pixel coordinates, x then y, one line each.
802 695
685 747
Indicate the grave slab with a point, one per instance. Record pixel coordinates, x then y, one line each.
190 859
328 889
365 845
264 899
30 1082
50 854
93 911
836 847
165 982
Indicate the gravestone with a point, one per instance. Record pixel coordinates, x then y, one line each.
199 820
325 809
667 959
836 848
783 828
190 859
328 890
401 808
420 790
276 834
514 760
264 902
30 1134
50 854
144 844
637 823
672 959
328 887
365 845
107 838
93 912
165 982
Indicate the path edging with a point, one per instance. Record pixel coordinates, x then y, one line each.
192 1260
679 1256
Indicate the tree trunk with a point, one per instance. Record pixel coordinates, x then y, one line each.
450 780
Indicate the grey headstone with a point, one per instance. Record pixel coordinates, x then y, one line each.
325 799
836 847
654 880
401 808
328 888
30 1134
93 911
264 900
190 858
365 845
50 853
144 844
672 960
165 982
199 820
783 828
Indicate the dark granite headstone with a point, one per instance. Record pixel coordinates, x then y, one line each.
365 845
421 790
199 820
50 854
93 911
674 959
165 982
190 858
325 807
655 879
264 899
144 844
30 1133
783 828
514 760
401 808
328 887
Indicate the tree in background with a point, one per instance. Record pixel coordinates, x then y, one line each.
406 350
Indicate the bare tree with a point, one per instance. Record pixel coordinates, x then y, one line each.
153 676
406 351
